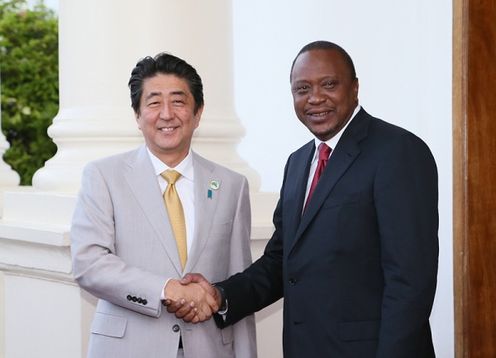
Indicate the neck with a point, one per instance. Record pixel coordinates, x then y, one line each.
171 159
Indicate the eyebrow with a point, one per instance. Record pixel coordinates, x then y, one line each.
295 84
178 93
152 94
158 93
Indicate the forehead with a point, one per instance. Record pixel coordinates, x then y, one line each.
165 84
320 63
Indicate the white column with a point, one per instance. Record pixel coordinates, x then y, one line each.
99 44
95 118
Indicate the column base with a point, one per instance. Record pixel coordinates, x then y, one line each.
36 285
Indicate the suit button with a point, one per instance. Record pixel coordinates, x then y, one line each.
175 328
144 302
292 281
140 300
134 299
129 298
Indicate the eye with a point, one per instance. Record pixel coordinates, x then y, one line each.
178 102
301 89
153 103
330 84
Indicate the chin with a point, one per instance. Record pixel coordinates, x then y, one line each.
324 136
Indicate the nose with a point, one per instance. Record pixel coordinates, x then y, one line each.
166 111
316 96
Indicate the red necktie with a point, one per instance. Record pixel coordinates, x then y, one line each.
324 152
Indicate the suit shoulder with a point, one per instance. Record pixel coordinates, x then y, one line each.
392 133
219 169
394 140
112 161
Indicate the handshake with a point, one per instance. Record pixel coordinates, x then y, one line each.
192 299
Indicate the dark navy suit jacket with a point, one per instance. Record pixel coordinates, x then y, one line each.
358 269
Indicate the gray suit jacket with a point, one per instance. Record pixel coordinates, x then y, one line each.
123 250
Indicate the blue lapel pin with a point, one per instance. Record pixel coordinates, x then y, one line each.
214 185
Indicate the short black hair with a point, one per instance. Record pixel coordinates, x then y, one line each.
326 45
167 64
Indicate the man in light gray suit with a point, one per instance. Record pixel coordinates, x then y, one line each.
125 244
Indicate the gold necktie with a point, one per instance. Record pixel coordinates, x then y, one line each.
176 213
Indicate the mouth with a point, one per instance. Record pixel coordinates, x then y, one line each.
167 129
318 114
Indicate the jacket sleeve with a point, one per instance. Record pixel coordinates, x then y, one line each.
96 267
406 199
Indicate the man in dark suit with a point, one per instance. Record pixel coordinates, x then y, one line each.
355 247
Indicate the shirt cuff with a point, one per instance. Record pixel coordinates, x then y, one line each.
162 295
224 304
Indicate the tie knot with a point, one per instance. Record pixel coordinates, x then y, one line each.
171 176
324 151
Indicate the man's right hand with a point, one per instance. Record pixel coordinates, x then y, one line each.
195 300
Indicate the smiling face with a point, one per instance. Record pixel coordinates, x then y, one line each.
325 93
167 118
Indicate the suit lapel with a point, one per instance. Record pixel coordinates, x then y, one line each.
140 177
345 153
205 207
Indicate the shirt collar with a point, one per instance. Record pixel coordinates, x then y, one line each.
185 167
335 139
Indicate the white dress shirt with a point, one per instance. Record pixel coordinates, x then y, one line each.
185 189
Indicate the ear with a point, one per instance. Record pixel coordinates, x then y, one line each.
137 119
197 116
355 88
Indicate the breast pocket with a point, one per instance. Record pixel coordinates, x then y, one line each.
109 325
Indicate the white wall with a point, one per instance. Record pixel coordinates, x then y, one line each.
402 54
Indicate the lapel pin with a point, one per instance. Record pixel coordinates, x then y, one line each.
214 184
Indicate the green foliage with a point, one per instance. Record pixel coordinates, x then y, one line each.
29 80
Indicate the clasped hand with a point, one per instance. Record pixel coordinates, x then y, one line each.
192 299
